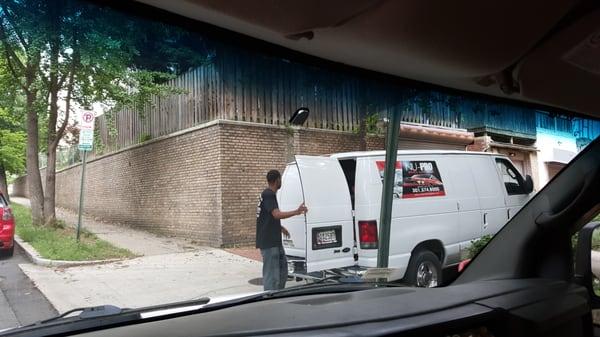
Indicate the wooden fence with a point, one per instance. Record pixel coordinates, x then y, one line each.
246 86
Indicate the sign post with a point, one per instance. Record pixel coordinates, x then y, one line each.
86 139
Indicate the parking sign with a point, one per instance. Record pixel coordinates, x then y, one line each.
86 130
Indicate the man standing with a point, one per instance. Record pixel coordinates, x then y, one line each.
268 233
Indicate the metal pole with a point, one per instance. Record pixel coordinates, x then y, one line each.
391 153
81 193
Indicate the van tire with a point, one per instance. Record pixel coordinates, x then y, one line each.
430 274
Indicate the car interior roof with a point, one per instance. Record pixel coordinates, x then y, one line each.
531 51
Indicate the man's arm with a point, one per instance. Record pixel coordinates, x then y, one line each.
277 214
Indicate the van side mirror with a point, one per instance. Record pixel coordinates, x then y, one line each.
587 262
528 184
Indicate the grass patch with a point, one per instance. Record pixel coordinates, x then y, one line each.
58 242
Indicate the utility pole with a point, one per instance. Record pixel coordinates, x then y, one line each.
391 154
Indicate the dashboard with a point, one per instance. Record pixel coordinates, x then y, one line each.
530 307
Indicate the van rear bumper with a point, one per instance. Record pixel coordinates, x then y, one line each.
296 265
297 268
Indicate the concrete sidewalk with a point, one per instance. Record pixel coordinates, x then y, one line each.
137 241
169 270
147 280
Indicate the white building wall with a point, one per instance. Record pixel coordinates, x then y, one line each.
557 147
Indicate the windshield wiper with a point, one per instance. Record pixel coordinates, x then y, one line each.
89 317
330 284
98 316
109 315
87 312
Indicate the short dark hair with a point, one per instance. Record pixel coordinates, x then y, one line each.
273 175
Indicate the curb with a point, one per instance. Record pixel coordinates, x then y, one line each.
35 257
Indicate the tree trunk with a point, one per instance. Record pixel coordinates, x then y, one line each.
3 183
34 178
50 195
52 143
53 137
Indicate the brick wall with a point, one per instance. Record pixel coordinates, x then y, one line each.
20 187
248 152
202 183
480 144
170 186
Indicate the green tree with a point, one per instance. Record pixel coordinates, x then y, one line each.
12 148
22 49
66 54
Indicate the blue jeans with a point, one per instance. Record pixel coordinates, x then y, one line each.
275 270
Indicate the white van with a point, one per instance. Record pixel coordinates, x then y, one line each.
442 201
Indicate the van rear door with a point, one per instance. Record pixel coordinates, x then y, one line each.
288 198
329 222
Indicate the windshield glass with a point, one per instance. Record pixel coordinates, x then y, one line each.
146 162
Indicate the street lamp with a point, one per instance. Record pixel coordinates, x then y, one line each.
300 116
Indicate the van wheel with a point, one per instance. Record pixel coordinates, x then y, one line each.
424 270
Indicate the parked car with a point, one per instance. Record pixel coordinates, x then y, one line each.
7 228
433 221
423 179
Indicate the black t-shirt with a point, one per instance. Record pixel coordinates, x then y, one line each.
268 229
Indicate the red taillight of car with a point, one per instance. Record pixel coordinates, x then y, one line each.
463 264
6 214
368 234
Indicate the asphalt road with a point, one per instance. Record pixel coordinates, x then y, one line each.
21 303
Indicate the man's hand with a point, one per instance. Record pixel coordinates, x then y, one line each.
285 232
302 209
277 214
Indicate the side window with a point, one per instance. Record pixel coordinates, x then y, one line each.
513 182
349 168
3 201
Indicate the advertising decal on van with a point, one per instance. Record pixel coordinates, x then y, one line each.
415 179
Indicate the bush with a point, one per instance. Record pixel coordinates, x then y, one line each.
477 245
145 137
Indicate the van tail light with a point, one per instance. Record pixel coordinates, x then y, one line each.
368 234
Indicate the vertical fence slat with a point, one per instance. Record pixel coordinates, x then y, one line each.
272 80
280 91
266 93
214 93
239 97
240 85
253 94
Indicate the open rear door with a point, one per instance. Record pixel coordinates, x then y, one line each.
329 223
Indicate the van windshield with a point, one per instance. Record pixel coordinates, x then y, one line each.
157 160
